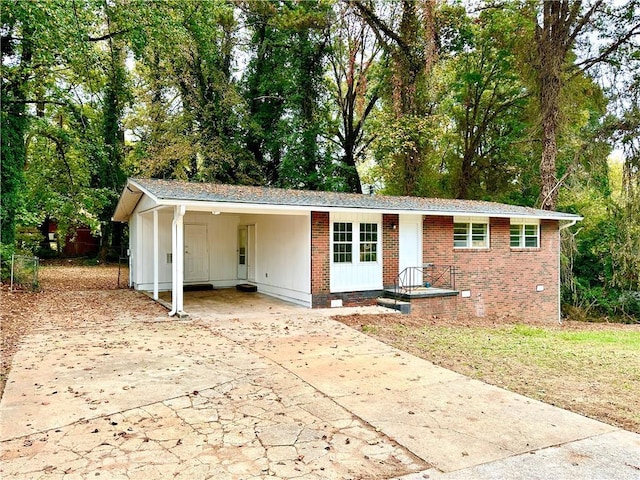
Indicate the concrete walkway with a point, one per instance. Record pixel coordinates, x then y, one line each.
276 391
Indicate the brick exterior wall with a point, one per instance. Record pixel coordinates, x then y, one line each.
436 307
320 257
502 281
390 249
349 299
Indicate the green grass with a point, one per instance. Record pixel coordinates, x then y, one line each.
593 370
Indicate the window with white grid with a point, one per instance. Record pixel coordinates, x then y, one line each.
342 242
368 242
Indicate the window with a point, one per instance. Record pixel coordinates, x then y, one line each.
525 235
368 242
471 234
342 242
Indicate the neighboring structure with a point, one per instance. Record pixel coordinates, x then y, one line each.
80 242
322 249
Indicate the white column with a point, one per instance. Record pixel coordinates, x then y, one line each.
155 255
180 259
177 255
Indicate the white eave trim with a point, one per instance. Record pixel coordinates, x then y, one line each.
239 207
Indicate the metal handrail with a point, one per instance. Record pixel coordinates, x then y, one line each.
428 275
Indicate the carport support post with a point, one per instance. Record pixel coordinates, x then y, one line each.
155 254
177 254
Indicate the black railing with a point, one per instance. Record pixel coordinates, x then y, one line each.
428 275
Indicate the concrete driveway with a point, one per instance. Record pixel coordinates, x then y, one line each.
272 390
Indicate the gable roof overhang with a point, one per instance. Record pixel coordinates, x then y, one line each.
266 200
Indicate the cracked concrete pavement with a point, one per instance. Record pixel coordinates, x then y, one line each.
270 390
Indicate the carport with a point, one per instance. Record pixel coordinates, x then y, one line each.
194 237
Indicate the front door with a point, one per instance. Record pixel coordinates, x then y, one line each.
246 252
251 252
410 254
242 253
196 254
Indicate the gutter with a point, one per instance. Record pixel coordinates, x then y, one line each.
569 223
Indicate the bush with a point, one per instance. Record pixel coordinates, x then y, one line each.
596 303
6 251
28 240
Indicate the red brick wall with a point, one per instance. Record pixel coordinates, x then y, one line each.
502 281
436 307
390 252
320 257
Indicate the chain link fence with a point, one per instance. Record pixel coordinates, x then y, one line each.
24 273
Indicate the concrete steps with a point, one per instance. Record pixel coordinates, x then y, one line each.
399 305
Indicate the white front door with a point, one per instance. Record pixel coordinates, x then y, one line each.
251 253
196 254
410 254
242 253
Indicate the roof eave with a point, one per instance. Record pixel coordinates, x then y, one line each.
238 207
128 201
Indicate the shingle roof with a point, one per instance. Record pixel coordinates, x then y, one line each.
222 193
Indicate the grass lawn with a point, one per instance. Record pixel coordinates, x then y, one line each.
591 369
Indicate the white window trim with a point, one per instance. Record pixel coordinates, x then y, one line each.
469 221
355 242
521 222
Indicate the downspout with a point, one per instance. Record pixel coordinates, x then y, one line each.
155 255
176 268
562 226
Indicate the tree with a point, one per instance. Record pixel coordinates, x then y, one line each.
560 26
21 45
353 57
408 38
284 90
187 76
486 102
55 92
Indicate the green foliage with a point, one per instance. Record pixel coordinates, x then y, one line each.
6 251
601 255
283 87
14 127
486 104
28 240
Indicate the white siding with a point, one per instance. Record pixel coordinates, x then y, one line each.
145 252
222 231
134 268
282 255
356 276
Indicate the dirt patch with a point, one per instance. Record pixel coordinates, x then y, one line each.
70 296
590 368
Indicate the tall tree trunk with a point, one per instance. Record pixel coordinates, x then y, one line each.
110 174
552 50
548 180
554 39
